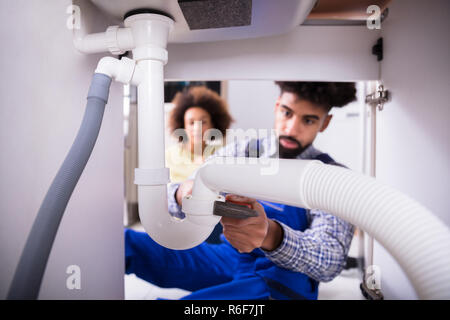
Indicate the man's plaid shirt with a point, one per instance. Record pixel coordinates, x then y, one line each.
320 251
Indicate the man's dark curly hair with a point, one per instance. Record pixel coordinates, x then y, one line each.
325 94
200 96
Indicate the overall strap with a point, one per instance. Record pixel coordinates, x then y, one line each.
325 158
254 149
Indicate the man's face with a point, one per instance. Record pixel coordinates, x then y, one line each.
297 123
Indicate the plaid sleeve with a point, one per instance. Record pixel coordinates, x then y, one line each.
320 251
174 208
231 150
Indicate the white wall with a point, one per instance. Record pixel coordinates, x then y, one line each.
334 53
342 140
413 149
252 104
42 99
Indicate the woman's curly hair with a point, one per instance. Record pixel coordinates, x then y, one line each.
200 96
325 94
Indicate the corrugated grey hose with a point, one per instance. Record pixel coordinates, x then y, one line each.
30 270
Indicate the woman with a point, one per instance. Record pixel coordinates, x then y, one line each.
199 120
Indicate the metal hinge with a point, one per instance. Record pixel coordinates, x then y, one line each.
371 284
377 49
379 97
370 294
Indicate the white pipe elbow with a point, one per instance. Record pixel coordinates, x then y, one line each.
168 231
120 70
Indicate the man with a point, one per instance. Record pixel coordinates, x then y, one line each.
285 251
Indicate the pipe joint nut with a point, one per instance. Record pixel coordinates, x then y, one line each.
111 40
150 53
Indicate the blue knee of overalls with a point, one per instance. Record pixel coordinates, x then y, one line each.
283 283
256 277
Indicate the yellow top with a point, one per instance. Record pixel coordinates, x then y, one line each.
181 162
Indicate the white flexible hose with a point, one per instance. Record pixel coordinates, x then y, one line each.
417 239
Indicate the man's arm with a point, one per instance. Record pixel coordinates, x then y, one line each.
176 191
320 251
173 206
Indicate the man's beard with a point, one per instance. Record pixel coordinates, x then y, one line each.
290 153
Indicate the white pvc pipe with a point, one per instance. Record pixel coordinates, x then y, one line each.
151 115
150 34
417 239
156 220
115 40
91 43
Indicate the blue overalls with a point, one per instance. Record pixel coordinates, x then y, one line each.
218 271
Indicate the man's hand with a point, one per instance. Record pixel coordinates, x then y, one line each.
251 233
183 190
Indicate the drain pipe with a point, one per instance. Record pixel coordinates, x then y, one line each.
115 40
150 33
146 34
